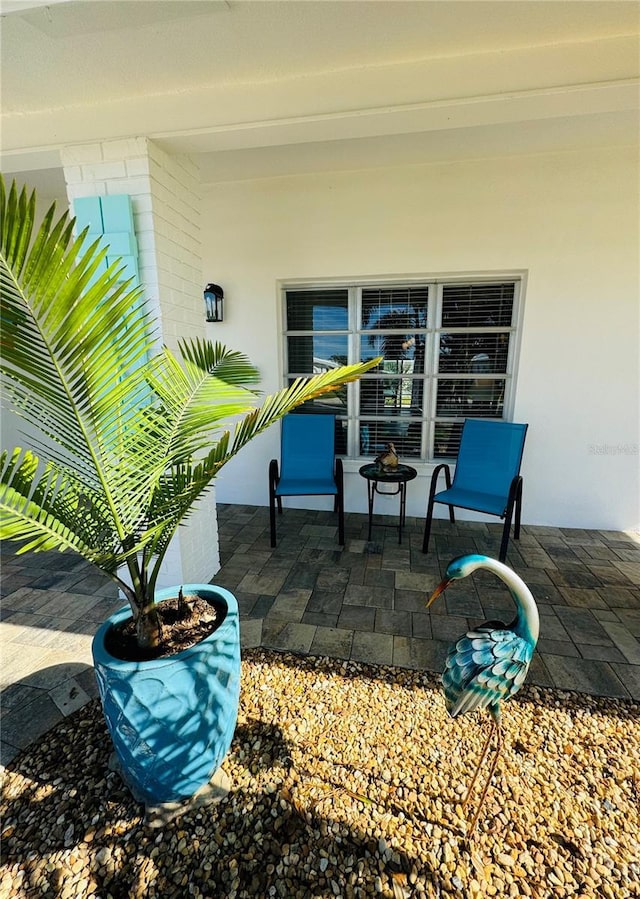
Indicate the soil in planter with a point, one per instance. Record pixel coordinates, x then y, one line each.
183 625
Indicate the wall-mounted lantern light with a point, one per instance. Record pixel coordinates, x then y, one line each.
214 302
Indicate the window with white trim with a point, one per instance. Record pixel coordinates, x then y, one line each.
448 353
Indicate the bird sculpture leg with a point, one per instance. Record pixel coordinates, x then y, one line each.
495 727
483 756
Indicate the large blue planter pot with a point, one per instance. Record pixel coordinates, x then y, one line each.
172 719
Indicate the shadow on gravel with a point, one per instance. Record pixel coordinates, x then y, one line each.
71 828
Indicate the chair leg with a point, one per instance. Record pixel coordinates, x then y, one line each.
339 500
273 480
505 538
427 526
432 492
272 518
516 486
516 531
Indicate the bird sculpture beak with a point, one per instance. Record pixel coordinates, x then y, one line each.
442 586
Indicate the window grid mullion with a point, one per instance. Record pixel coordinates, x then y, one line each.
355 304
435 317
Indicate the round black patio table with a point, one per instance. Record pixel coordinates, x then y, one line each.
400 476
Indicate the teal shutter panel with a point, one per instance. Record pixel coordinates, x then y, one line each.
117 214
121 243
88 213
130 265
111 218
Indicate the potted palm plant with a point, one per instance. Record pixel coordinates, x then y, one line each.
130 437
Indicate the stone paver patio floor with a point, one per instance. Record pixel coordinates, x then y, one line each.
365 602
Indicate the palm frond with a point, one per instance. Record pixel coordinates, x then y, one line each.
284 401
129 443
183 484
49 510
67 340
229 366
72 342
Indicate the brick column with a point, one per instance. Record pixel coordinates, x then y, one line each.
166 200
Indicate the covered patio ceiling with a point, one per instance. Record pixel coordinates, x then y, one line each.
256 89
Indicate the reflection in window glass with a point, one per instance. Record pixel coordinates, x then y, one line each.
318 310
469 353
406 436
394 308
316 353
477 305
478 398
391 394
406 348
446 441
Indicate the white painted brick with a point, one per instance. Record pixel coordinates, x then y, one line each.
86 189
188 197
156 153
187 182
170 253
187 164
144 225
81 154
199 542
193 232
164 179
146 241
163 193
103 170
72 174
184 271
136 167
149 279
146 257
125 149
143 234
141 204
131 186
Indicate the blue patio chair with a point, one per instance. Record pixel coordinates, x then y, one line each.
487 476
308 465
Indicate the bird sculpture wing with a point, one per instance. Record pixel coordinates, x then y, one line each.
484 667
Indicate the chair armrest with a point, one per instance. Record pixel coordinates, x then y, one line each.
444 466
432 492
274 477
339 474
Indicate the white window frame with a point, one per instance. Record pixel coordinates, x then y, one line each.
436 284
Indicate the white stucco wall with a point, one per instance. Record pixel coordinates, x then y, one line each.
569 219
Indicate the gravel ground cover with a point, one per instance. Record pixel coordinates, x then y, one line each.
347 781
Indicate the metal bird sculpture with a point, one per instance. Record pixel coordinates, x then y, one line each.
488 664
387 460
